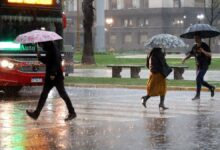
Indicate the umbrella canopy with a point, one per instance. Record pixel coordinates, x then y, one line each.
165 41
204 30
37 36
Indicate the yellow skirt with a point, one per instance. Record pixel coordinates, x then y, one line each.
156 85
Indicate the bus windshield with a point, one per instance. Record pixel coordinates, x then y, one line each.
18 17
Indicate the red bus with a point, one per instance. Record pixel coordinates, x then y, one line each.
18 63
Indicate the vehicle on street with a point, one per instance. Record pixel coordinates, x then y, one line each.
18 62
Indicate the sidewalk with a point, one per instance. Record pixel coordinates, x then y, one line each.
167 56
211 75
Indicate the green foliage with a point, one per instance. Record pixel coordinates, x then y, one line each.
104 59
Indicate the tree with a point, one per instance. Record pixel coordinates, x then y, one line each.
88 19
212 11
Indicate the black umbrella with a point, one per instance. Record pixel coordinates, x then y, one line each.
204 30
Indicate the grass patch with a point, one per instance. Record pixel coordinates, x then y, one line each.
104 59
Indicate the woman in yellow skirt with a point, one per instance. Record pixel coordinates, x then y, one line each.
156 84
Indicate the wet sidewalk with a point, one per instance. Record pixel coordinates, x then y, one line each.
111 119
211 75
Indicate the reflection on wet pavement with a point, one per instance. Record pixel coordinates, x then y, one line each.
110 119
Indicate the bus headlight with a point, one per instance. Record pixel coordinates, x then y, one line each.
63 63
6 64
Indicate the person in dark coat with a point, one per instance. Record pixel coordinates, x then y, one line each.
54 77
156 84
202 54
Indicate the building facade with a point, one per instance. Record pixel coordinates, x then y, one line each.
129 23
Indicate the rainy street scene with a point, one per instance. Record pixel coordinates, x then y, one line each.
109 75
111 118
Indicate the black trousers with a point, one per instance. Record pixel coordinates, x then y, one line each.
48 85
200 80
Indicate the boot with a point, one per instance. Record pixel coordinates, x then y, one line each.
71 116
144 100
33 114
196 97
212 91
161 105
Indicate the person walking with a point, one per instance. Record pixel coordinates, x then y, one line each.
203 56
54 77
156 84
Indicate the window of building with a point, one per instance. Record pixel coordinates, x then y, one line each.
199 3
128 22
143 38
113 39
127 38
128 4
143 22
112 4
176 3
136 3
144 3
178 21
131 23
146 22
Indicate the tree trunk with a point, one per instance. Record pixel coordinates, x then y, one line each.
88 50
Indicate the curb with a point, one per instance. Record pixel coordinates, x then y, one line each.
171 88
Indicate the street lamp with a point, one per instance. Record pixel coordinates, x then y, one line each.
109 22
200 17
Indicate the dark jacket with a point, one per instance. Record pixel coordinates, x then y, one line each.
202 60
156 61
52 60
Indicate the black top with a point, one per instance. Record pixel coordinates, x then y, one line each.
156 60
53 62
202 60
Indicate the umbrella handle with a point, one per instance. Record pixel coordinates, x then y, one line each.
38 52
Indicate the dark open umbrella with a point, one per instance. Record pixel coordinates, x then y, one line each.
204 30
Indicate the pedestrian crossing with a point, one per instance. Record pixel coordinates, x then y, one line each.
121 111
124 106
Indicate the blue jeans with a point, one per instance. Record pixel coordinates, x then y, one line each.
200 80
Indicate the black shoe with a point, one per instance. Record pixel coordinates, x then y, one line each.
212 91
143 102
32 114
163 107
71 116
196 98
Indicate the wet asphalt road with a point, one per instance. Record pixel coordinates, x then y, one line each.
110 119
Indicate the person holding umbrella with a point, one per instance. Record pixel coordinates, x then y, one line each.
54 74
156 84
54 77
159 69
202 54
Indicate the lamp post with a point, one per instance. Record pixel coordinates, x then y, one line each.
100 26
108 22
200 17
78 26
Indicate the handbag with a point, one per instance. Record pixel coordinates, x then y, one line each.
166 70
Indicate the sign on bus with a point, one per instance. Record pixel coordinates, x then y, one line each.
34 2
